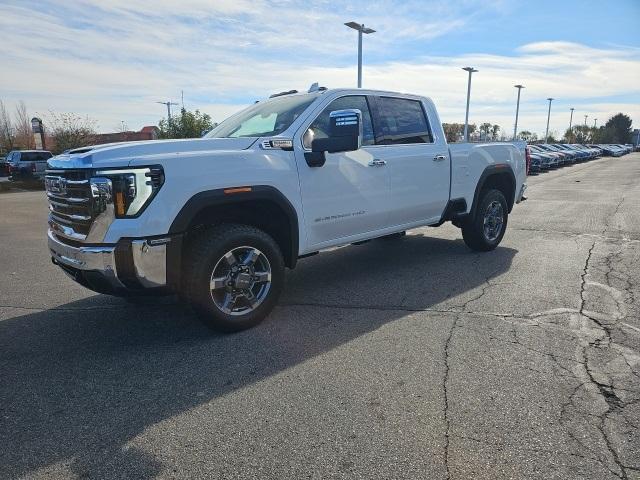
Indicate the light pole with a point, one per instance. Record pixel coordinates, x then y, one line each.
515 127
585 120
595 122
570 122
466 118
546 135
361 29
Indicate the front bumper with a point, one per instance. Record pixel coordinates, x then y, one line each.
129 265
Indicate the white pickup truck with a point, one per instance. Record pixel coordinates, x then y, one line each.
218 219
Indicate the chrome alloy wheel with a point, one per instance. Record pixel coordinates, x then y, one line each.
240 281
493 221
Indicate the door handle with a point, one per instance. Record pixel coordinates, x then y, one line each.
376 162
439 158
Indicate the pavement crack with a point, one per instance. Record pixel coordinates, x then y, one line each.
445 391
606 391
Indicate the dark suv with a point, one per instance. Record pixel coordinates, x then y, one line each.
27 165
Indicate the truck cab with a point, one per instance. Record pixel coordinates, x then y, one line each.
218 219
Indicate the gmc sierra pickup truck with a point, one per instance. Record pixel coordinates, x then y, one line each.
217 219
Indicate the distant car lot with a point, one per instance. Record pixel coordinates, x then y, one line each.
545 156
379 362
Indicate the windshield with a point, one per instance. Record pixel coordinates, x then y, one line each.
264 119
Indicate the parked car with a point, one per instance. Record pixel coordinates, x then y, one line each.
553 157
599 149
576 154
535 162
569 155
625 148
546 159
27 165
612 150
589 152
564 157
283 179
582 153
4 167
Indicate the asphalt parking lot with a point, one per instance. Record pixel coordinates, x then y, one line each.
412 358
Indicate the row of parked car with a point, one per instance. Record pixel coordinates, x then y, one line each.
551 155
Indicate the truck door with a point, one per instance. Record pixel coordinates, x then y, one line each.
349 194
418 163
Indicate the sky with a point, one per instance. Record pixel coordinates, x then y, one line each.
112 60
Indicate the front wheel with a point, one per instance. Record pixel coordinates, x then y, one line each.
233 276
485 230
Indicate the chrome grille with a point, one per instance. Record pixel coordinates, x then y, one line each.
71 211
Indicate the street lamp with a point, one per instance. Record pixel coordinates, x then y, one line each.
515 128
466 118
361 29
546 135
570 122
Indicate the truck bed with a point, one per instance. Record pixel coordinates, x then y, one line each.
469 161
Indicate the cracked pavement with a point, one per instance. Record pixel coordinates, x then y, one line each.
412 358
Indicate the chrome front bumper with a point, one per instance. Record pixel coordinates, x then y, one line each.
143 261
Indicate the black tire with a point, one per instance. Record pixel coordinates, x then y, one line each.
205 251
474 232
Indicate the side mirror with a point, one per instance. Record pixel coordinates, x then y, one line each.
345 132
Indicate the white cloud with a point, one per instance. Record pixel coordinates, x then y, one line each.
113 60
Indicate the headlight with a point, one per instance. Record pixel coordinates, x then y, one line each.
132 189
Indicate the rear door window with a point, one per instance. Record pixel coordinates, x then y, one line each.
402 121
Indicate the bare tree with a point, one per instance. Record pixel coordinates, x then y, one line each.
69 130
121 127
22 127
6 130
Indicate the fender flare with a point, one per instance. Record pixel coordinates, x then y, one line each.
499 169
227 196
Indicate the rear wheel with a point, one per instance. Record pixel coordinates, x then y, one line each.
233 276
484 232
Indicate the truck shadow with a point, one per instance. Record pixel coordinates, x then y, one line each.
79 382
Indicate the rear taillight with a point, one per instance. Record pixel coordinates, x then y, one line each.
527 156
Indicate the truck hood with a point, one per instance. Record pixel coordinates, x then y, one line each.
122 154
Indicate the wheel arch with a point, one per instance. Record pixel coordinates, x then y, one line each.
500 177
262 206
